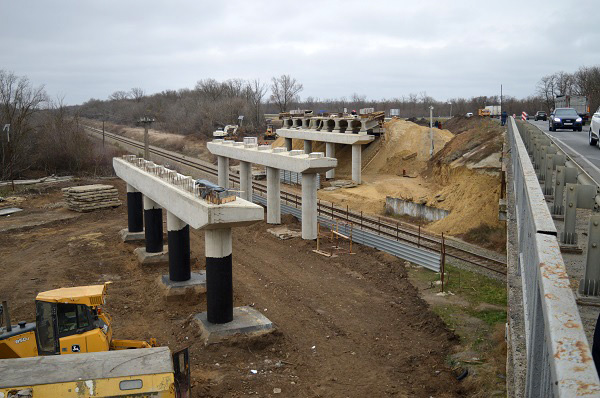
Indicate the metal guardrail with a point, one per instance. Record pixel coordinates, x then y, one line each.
559 359
420 256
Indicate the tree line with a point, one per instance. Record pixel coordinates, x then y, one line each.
38 133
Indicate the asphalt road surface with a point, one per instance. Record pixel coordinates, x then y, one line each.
576 145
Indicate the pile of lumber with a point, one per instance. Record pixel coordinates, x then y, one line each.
91 197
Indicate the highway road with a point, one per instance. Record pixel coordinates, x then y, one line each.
576 145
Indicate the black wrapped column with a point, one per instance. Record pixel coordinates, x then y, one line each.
135 210
154 226
219 278
178 235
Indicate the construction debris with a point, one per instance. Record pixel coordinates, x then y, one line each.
284 233
9 210
91 197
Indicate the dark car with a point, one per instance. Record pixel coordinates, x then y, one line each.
540 115
565 118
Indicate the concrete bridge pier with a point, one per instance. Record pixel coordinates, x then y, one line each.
221 320
356 163
246 180
223 171
309 206
154 251
307 146
273 196
330 153
181 282
135 216
288 144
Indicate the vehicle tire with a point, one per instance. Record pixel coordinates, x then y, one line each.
580 128
592 141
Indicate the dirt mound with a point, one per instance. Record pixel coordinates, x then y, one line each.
477 146
460 124
406 146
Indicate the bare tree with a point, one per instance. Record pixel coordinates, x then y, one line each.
210 88
137 94
19 101
284 91
119 95
546 88
256 91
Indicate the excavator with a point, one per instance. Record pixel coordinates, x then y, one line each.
68 321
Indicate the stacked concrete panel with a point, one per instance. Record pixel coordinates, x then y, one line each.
91 197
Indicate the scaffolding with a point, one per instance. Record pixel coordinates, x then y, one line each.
336 238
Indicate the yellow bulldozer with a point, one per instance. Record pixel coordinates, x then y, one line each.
68 321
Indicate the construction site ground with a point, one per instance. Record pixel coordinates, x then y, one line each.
361 325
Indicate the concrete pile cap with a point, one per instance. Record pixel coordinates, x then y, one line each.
91 197
191 209
277 158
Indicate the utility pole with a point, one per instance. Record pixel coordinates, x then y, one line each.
9 153
501 99
431 130
102 132
450 103
146 121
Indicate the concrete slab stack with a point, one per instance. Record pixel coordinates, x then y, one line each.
91 197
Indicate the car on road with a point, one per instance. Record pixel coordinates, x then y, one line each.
565 118
540 115
594 132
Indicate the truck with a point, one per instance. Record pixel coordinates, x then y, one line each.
495 110
577 102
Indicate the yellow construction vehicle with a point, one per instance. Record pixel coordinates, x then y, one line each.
148 372
68 321
270 133
484 112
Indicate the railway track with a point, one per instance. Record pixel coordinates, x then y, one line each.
399 231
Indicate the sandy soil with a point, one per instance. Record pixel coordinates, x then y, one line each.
462 177
372 334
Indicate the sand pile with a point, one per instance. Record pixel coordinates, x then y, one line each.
406 147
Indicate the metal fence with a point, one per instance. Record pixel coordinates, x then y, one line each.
416 255
291 177
559 360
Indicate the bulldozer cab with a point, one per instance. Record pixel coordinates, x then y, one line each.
69 321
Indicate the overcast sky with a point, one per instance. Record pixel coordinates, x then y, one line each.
381 49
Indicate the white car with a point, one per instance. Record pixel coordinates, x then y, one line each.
469 114
595 128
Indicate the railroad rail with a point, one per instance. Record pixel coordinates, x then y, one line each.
398 230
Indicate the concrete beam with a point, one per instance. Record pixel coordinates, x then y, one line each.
246 181
330 153
309 206
223 168
325 136
273 196
277 158
181 200
357 163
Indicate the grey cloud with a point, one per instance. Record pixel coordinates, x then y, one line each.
386 49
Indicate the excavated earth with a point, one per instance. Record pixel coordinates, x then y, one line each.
349 326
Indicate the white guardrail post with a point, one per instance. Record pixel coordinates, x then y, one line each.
559 359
